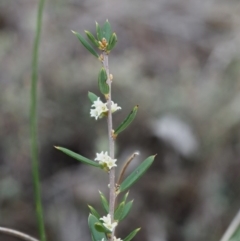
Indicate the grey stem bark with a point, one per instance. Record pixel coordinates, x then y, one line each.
112 194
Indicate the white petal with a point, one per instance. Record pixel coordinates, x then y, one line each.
94 113
115 107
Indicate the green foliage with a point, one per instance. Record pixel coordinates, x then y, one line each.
104 202
92 38
112 42
106 30
132 235
94 212
102 84
119 211
96 235
126 210
100 228
125 197
236 235
34 125
136 174
86 44
127 121
99 32
123 209
92 97
78 157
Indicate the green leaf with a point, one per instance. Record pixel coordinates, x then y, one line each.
100 228
102 84
92 38
125 197
136 174
86 44
236 235
92 97
104 202
112 42
92 220
99 32
78 157
127 121
94 212
119 211
132 234
107 30
126 210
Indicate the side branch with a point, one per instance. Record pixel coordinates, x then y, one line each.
17 234
126 166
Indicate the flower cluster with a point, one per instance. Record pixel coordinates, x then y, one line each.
107 222
105 160
114 239
101 109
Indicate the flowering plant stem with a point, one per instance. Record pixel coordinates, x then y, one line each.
103 228
112 195
33 120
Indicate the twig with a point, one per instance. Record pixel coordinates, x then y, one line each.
17 234
33 120
231 228
125 167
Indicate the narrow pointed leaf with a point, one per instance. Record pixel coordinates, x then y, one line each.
102 84
99 32
126 210
125 197
92 220
107 30
92 38
136 174
78 157
127 121
112 42
132 234
92 97
86 44
119 211
236 235
94 212
104 202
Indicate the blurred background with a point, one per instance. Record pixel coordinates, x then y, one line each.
179 60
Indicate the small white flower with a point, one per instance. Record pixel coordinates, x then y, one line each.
94 113
116 239
111 163
100 109
115 107
102 157
107 222
97 103
106 160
